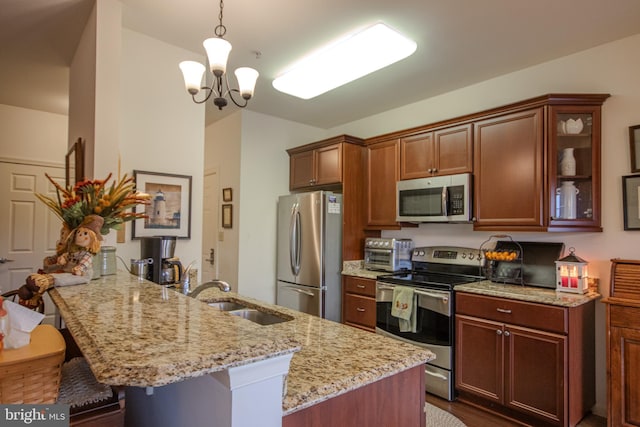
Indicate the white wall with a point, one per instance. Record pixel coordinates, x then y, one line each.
32 135
161 129
222 154
82 91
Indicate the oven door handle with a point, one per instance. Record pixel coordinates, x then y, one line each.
444 298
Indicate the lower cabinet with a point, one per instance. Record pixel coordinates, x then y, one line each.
527 361
359 302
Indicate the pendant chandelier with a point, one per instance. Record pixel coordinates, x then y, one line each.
218 49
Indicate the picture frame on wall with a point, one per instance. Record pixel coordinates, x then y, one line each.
74 163
631 201
169 209
227 216
227 195
634 142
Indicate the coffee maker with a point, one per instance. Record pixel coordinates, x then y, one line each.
164 270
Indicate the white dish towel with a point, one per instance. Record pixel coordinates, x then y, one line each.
404 308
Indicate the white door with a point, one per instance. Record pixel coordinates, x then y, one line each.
210 227
28 229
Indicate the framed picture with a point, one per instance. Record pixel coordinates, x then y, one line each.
634 141
169 210
227 195
74 163
227 216
631 201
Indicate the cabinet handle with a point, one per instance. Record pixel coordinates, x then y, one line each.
360 286
503 310
498 331
360 309
507 333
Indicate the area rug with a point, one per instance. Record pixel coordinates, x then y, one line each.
436 417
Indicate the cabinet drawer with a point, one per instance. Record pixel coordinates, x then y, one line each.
360 286
360 310
623 316
531 315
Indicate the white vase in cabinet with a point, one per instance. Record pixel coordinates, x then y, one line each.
567 163
566 201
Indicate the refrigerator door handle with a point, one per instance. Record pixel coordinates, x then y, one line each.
294 241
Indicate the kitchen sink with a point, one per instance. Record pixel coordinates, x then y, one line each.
259 317
227 305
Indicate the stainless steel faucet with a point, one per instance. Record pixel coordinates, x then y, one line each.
224 287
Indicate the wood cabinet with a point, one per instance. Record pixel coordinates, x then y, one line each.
359 302
397 400
445 151
528 361
316 167
383 159
574 189
509 190
623 344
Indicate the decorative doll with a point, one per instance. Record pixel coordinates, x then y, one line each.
85 242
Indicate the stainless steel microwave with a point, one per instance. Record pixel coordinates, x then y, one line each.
435 199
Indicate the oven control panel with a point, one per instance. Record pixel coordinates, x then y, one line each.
447 255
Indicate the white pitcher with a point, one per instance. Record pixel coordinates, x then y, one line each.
566 200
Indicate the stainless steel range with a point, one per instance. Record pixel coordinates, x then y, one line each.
435 271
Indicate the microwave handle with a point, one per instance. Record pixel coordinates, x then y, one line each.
445 201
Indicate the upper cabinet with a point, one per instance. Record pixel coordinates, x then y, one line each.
509 172
537 165
315 166
574 168
382 174
441 152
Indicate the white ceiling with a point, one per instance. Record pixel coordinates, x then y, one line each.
460 42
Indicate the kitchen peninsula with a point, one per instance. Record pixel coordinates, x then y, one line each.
155 340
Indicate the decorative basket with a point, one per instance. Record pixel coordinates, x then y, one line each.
31 374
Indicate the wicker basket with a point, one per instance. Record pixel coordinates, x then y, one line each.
31 374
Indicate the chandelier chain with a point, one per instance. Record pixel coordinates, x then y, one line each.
220 29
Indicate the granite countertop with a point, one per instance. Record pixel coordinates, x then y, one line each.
142 334
528 293
356 269
137 333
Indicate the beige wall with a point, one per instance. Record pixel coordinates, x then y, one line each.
32 135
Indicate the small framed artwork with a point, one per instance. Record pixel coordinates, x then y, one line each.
634 141
631 201
169 210
227 216
227 195
74 163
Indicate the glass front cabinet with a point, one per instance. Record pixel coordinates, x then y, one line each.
574 167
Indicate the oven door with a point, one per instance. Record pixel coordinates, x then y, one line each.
434 323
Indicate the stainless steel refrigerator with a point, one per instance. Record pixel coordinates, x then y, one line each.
309 254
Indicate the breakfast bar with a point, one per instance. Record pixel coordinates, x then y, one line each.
167 347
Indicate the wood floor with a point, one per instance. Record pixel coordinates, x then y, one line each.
474 417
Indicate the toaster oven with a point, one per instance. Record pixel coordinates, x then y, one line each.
387 254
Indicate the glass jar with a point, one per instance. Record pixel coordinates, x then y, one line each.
107 260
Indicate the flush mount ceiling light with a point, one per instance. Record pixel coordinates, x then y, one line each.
349 59
217 53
